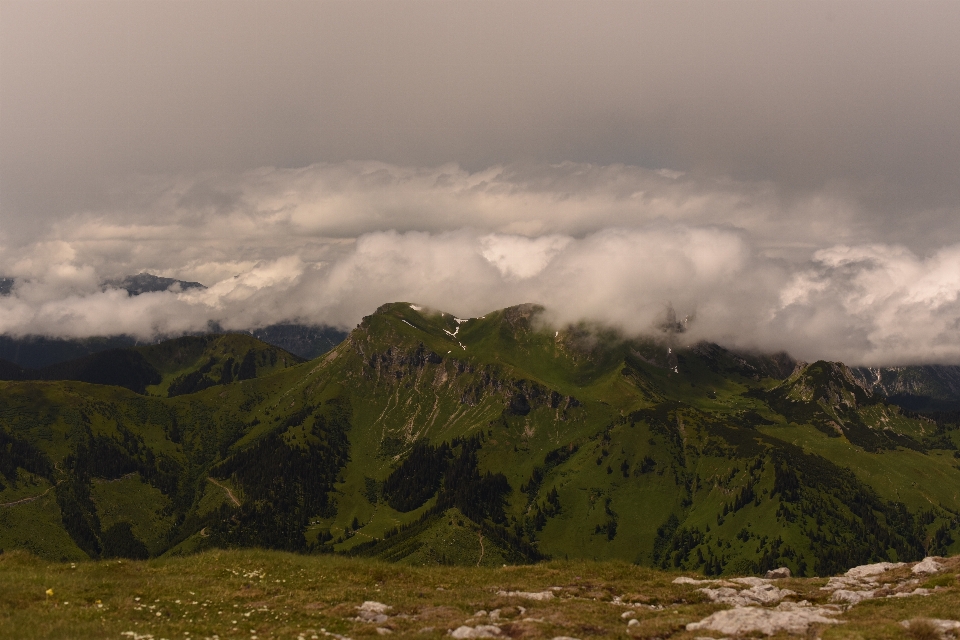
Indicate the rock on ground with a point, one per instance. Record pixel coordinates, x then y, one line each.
371 611
479 631
927 565
529 595
865 570
942 626
787 617
762 593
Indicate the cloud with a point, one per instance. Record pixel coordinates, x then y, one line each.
617 245
520 257
858 97
874 304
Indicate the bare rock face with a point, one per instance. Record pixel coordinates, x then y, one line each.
787 617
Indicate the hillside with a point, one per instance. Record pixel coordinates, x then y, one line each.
422 432
174 367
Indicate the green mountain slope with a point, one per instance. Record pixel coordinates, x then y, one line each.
174 367
423 434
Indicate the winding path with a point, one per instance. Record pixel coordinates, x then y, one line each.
25 500
227 489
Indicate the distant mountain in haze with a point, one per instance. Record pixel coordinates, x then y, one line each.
149 283
305 341
174 367
39 352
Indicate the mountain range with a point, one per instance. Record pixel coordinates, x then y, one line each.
425 438
42 352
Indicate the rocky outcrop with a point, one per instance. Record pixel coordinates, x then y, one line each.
787 617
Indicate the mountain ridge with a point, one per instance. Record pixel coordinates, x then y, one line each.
572 442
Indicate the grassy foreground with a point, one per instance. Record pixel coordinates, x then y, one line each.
263 594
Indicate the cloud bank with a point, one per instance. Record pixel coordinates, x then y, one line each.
616 244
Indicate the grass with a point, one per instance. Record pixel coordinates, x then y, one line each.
264 594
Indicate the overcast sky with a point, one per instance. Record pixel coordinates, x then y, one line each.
788 172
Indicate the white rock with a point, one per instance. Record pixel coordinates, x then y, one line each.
776 574
633 622
927 565
751 581
942 626
479 631
529 595
916 592
851 597
686 580
375 612
375 618
839 582
384 631
564 638
865 570
763 593
628 614
788 617
374 607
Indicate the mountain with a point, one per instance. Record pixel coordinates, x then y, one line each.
920 388
149 283
306 341
175 367
563 443
38 352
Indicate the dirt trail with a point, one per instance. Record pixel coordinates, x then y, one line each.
480 559
25 500
227 489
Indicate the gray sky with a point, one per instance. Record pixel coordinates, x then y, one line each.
819 142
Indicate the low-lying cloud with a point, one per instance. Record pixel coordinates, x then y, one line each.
617 245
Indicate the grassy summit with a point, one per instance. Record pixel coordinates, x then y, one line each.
266 594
